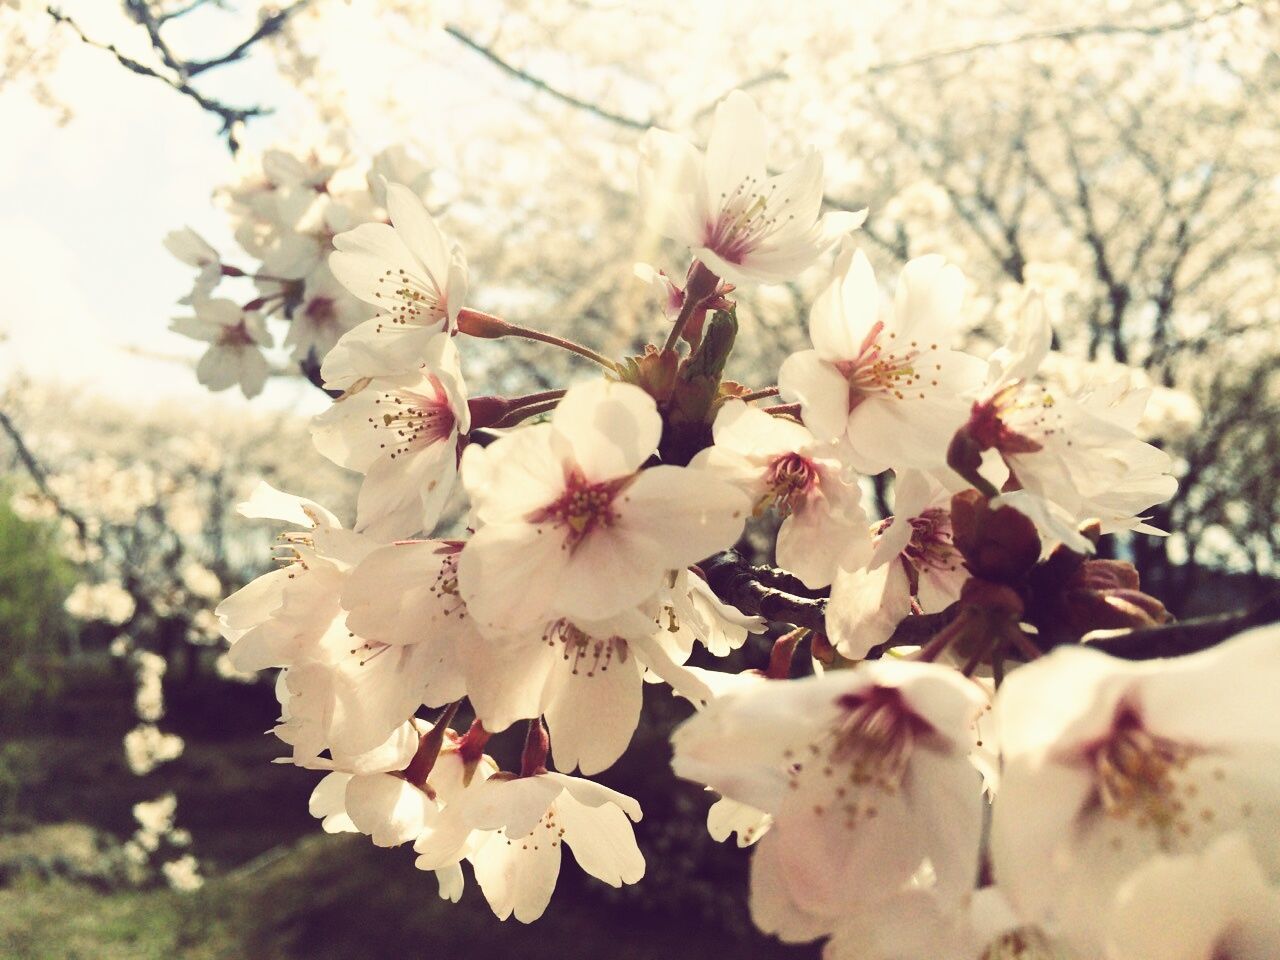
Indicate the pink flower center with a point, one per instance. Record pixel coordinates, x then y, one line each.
887 369
321 311
582 508
931 546
236 335
863 756
414 420
790 478
1136 773
747 219
588 655
1016 419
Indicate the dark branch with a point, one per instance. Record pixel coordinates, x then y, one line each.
778 596
269 25
539 84
1189 636
740 584
177 72
40 476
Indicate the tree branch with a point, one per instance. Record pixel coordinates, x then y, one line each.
141 12
1064 34
539 84
40 476
780 597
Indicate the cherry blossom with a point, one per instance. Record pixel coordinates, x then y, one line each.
1108 763
745 225
913 557
236 338
586 679
566 513
273 619
779 464
403 435
511 830
410 272
406 594
325 311
890 386
1076 456
867 776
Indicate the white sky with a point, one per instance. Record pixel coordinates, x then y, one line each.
84 280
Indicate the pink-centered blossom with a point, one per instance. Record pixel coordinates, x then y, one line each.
867 776
886 382
744 224
236 340
1071 457
403 435
780 465
570 522
1108 763
412 274
913 558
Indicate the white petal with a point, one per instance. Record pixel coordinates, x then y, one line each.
602 841
821 391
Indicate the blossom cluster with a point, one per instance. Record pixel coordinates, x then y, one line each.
948 683
286 211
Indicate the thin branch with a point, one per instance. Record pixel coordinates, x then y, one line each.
1065 34
778 596
231 117
1188 636
539 84
269 25
40 476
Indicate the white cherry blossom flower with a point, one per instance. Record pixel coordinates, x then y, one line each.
410 272
362 794
744 224
271 621
890 386
347 693
325 312
867 776
1108 763
516 827
587 680
913 556
569 523
1073 457
236 339
403 436
778 463
1210 906
693 608
193 250
406 594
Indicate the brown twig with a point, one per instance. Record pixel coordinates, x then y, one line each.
778 596
40 476
177 72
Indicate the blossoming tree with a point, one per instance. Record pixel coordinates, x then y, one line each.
975 735
948 685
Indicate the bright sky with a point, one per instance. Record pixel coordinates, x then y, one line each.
84 280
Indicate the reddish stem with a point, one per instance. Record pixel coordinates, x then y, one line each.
784 649
536 745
